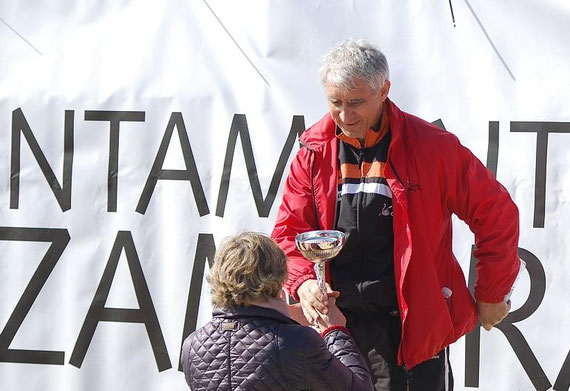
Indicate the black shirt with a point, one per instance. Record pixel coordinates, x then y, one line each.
364 269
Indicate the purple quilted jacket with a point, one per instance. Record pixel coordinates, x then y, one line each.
255 348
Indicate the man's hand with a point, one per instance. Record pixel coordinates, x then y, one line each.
492 313
313 300
333 318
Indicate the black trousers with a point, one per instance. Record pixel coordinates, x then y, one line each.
378 337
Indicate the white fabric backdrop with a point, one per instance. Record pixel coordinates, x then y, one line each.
210 60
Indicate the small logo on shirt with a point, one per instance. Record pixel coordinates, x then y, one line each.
413 186
386 211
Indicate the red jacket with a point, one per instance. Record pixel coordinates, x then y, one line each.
432 176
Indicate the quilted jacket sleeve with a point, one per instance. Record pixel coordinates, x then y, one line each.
485 205
335 363
296 214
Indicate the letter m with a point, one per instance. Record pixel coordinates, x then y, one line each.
239 125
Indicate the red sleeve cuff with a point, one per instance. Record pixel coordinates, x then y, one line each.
490 299
334 327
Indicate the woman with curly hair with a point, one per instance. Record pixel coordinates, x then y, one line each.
252 343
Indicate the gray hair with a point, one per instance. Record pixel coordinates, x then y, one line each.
355 58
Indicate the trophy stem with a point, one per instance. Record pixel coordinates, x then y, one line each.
319 268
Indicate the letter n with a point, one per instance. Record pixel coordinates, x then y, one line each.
62 193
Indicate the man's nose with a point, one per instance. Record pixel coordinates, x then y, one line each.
345 113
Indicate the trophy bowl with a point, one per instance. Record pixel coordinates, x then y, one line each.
318 247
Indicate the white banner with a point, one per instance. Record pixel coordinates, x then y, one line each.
135 135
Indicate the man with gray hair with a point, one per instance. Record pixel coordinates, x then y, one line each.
391 182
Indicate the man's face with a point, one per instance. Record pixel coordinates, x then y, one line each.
358 109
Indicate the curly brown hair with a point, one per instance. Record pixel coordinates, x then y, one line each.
247 267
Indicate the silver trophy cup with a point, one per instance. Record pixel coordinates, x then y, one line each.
319 247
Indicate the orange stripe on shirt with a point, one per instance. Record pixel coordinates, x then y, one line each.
348 170
370 170
373 170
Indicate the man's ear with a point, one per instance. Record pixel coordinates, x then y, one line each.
385 89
